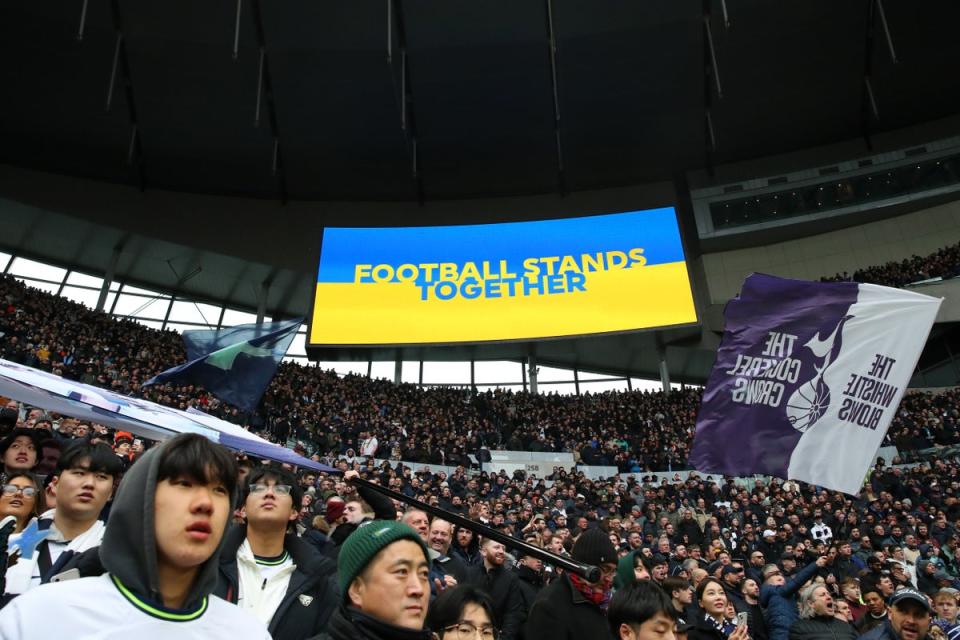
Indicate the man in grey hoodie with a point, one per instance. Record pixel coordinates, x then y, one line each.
160 551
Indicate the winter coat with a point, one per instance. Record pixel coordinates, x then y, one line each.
311 596
561 612
781 603
881 632
822 628
504 589
351 624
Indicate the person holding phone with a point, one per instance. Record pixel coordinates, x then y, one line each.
817 619
713 624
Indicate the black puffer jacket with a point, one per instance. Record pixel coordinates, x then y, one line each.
351 624
312 594
821 628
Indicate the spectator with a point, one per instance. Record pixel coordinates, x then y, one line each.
269 570
502 585
817 619
714 624
22 498
19 451
384 572
642 611
463 613
83 483
778 596
571 607
876 614
909 618
178 499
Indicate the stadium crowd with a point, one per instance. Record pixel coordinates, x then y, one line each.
944 263
166 536
352 416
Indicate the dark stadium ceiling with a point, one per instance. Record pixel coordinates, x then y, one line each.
631 90
634 83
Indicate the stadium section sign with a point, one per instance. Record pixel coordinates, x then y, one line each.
494 282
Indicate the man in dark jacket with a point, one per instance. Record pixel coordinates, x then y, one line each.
280 578
384 570
530 574
817 621
778 596
571 608
502 585
910 616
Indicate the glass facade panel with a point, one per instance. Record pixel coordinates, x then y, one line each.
32 269
141 306
494 371
446 372
83 280
232 317
599 386
86 297
184 311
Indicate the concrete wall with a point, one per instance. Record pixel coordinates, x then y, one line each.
809 258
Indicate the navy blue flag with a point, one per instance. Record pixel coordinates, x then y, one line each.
234 364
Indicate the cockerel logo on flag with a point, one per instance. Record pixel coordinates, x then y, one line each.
807 379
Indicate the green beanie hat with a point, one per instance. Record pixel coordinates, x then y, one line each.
367 541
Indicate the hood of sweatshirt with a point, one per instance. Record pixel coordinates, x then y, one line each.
129 548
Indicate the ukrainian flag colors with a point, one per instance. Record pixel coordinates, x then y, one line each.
511 281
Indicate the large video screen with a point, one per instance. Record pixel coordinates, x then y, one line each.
494 282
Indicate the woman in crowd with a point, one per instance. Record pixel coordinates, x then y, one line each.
462 613
714 625
21 498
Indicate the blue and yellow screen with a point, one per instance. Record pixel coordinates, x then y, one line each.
508 281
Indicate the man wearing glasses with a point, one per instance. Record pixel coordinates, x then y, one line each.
266 568
755 569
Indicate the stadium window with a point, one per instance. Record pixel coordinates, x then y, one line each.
498 372
599 386
140 306
84 280
5 259
562 388
553 374
641 384
410 372
505 387
86 297
232 317
446 372
297 347
382 369
194 312
143 292
37 270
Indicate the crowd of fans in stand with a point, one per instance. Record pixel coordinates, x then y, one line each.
354 416
945 263
310 554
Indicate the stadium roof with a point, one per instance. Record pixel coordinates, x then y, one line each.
157 82
149 95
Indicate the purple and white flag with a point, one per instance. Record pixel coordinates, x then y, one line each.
808 377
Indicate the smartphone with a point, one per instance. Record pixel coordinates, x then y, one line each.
742 618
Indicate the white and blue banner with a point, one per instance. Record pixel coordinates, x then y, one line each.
808 377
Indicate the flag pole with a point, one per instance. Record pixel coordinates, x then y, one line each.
586 571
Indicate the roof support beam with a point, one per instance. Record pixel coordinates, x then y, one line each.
396 32
552 50
711 81
265 92
120 71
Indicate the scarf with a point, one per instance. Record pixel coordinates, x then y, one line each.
598 594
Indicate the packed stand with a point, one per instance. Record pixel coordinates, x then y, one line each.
354 416
944 263
167 538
